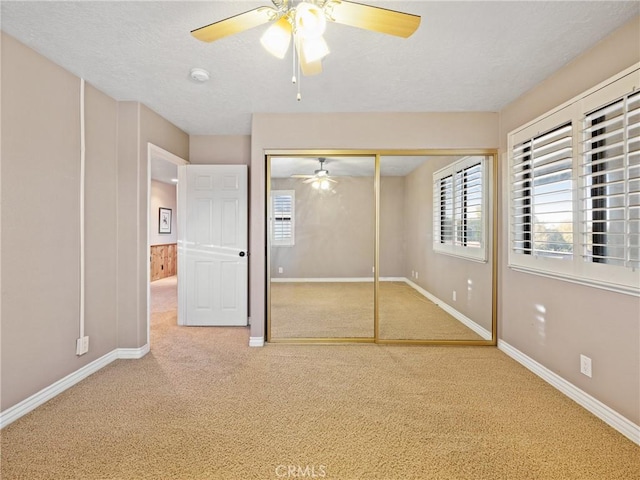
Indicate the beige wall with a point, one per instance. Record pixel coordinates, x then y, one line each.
137 126
346 131
41 225
579 319
220 149
162 195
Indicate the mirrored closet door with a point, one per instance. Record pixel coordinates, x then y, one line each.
321 247
383 247
435 255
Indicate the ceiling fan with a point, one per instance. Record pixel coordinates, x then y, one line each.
305 21
320 178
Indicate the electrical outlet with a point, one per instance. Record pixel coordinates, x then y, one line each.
280 270
416 274
585 365
413 274
373 269
82 345
454 295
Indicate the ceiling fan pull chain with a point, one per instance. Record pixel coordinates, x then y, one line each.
297 79
299 96
293 68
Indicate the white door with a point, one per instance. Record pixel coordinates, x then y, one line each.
212 245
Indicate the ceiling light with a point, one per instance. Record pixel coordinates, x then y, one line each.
199 75
314 49
310 20
306 21
277 37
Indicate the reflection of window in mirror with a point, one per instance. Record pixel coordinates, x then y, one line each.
459 208
283 218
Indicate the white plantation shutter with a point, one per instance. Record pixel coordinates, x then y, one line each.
542 194
469 206
575 189
610 187
459 209
443 193
282 217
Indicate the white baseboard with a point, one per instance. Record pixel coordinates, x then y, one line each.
623 425
11 414
133 353
483 332
336 279
256 341
322 279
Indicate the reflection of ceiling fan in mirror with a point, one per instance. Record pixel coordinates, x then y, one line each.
320 179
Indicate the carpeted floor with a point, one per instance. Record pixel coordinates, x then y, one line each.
203 405
345 310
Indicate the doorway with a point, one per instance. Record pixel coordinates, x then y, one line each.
162 175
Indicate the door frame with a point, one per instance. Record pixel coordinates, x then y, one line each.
155 152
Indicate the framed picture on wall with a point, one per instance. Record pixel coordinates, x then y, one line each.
164 224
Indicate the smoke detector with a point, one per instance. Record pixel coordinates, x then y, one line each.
199 75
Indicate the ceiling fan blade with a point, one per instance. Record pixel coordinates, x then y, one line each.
310 180
331 179
298 175
236 24
377 19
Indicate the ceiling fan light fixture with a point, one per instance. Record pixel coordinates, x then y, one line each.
321 184
277 37
314 49
310 20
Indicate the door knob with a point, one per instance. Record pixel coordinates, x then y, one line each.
242 254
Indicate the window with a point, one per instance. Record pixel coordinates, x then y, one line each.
459 209
575 189
282 217
542 194
610 191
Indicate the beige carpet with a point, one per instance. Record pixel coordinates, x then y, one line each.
202 405
345 310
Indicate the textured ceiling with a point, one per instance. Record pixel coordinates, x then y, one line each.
465 56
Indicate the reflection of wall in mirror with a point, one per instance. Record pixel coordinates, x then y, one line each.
440 274
334 230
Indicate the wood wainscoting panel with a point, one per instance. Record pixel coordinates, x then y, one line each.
163 261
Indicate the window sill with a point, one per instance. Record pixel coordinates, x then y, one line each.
478 259
611 287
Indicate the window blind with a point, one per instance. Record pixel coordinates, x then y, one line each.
610 183
444 213
282 227
458 208
542 194
468 209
